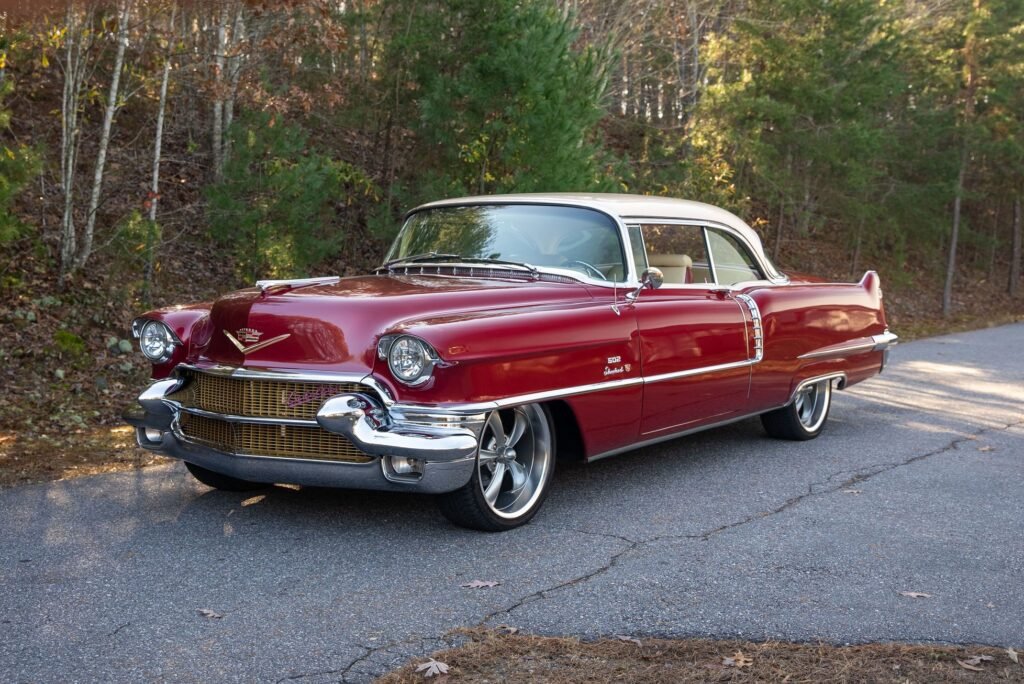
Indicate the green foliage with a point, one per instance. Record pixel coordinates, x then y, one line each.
69 343
19 164
503 100
277 207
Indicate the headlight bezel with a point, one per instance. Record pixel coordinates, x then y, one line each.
391 347
141 327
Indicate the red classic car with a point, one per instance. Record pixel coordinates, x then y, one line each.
500 333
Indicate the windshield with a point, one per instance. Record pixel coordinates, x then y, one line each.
574 238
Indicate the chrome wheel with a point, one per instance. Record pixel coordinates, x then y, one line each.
805 416
811 405
515 460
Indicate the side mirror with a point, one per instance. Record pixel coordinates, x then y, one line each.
652 279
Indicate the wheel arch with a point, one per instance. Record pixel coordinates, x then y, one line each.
569 444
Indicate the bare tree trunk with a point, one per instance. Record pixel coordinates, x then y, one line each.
969 90
218 96
108 120
947 290
778 229
1015 253
234 67
74 75
151 232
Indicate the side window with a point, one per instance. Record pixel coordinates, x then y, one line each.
733 262
679 251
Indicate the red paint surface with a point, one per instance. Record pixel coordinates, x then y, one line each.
510 338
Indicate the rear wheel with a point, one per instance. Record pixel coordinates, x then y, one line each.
514 464
804 418
221 481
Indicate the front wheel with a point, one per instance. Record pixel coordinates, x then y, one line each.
804 418
514 464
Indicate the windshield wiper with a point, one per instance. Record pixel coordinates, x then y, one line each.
424 256
500 262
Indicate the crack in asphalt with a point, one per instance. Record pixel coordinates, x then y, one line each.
814 489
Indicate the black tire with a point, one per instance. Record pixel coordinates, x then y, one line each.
534 464
221 481
803 418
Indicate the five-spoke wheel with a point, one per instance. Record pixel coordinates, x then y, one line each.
514 465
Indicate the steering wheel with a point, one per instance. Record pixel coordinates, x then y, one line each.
590 269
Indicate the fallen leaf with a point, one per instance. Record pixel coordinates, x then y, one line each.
737 660
254 499
480 584
432 668
207 613
968 666
915 594
1013 655
623 637
508 629
852 491
986 448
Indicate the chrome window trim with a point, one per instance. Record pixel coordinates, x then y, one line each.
774 277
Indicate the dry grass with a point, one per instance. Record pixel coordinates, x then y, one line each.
491 656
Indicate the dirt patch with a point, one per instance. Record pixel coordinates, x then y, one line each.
491 656
41 458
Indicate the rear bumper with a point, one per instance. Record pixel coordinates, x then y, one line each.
443 442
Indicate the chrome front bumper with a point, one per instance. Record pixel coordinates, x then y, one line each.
443 440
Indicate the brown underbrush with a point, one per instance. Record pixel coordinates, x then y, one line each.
495 656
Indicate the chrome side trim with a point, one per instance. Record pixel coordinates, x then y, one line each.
857 346
885 340
698 371
755 322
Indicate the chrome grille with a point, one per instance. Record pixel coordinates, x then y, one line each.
258 398
285 441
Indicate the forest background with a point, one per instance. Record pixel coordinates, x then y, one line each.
156 152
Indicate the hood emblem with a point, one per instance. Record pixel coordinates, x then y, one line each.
252 336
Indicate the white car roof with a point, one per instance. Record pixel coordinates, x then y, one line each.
625 207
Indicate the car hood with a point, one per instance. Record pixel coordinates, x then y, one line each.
336 326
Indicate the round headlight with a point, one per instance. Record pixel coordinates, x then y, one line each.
157 341
411 360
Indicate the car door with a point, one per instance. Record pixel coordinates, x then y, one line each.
696 340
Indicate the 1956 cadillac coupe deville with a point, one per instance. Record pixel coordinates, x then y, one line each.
500 333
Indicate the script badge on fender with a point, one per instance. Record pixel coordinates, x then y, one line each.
251 335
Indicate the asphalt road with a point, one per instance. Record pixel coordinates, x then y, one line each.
916 486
